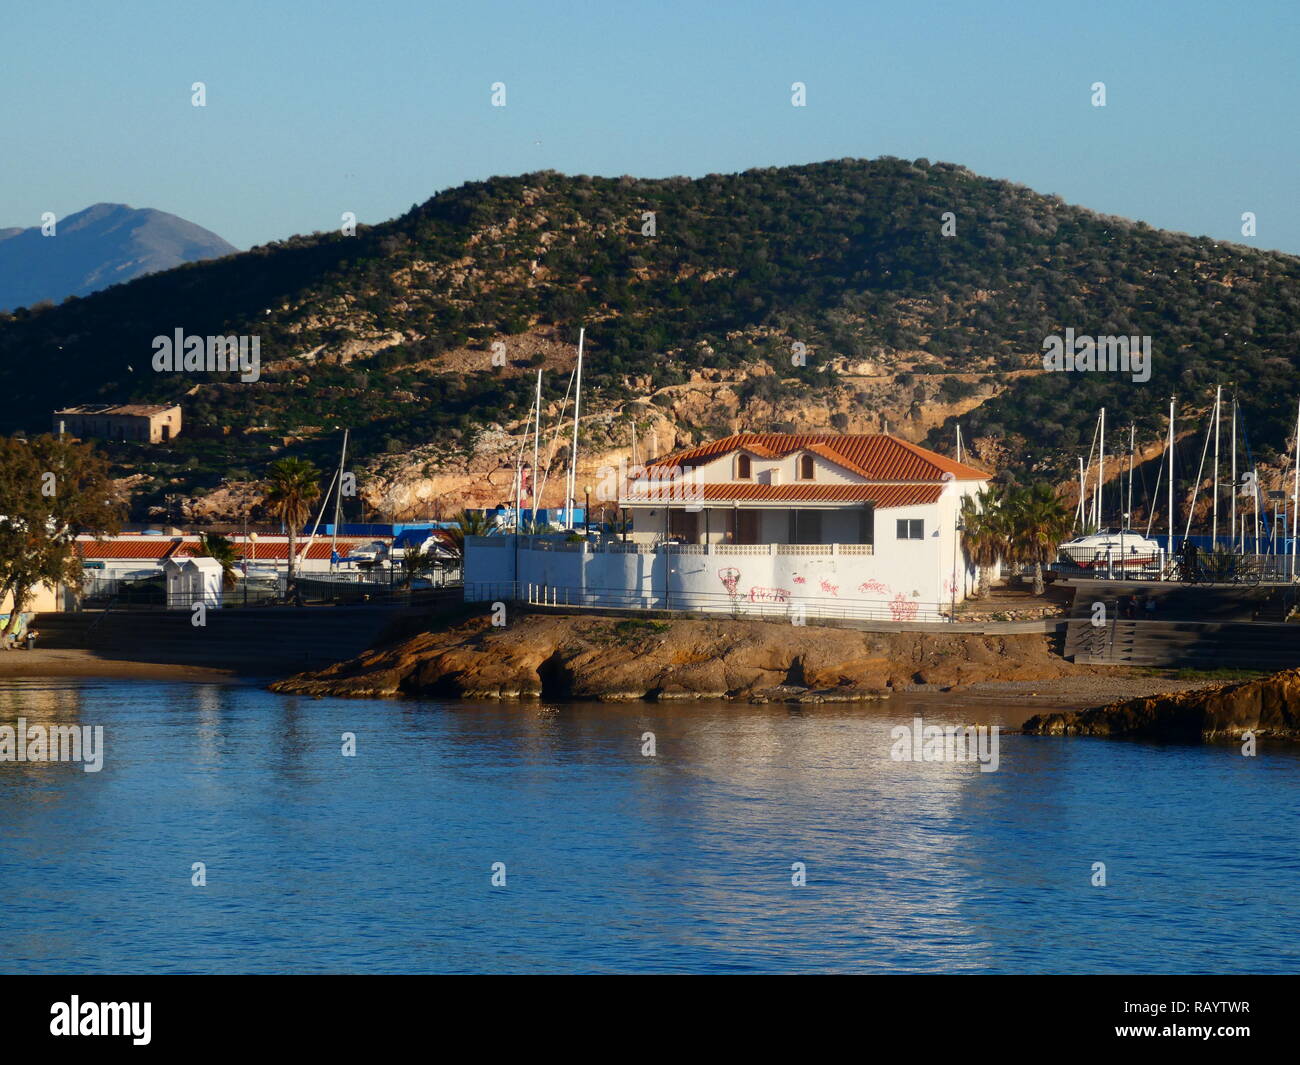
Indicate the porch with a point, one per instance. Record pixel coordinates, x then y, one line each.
752 526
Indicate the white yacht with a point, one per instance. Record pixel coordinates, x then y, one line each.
1110 549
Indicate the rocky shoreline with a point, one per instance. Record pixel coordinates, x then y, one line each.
558 657
1268 708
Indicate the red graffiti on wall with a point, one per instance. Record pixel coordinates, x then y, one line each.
902 609
730 578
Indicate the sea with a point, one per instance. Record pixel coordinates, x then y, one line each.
232 830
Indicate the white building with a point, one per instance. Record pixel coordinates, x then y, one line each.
192 580
853 526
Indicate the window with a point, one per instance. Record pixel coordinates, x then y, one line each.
742 468
806 468
911 529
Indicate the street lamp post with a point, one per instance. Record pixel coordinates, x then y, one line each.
252 539
586 510
956 539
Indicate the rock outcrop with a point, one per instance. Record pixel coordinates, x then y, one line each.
1269 708
604 658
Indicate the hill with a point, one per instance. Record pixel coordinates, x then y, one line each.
101 246
690 330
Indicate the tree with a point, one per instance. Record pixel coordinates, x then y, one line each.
222 550
416 563
1037 522
984 534
293 485
467 523
51 489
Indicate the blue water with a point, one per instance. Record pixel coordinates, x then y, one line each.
617 862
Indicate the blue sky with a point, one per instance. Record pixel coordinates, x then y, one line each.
319 108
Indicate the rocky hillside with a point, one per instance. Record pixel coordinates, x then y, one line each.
814 298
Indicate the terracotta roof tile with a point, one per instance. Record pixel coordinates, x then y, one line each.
874 456
152 547
162 547
279 551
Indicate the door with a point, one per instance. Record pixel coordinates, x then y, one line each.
684 524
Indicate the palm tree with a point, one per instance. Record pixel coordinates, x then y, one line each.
983 537
293 485
1037 523
218 547
416 563
468 523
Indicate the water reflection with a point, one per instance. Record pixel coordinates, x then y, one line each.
618 861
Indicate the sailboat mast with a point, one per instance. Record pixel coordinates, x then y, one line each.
1153 499
1234 469
1295 498
1083 495
519 484
573 458
1101 471
537 440
1255 494
1170 449
1132 438
1214 505
338 499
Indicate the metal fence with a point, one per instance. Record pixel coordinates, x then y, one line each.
1208 568
755 604
99 593
614 547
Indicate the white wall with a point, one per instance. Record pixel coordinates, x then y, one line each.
920 571
900 580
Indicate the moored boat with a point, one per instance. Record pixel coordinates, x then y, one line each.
1109 549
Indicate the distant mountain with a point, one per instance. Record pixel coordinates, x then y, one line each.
92 249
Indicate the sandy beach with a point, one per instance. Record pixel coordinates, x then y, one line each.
1096 687
76 662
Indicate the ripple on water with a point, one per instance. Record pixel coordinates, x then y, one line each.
617 862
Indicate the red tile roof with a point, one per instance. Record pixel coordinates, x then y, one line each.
153 547
160 548
686 494
874 456
319 549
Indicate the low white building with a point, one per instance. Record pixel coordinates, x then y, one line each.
192 580
852 526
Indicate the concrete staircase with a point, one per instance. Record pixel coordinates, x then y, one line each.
254 641
1198 628
1278 604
